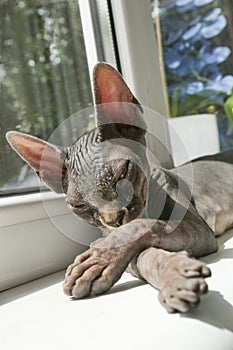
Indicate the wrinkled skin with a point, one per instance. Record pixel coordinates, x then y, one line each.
179 277
95 271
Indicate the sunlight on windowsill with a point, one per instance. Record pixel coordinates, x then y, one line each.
38 315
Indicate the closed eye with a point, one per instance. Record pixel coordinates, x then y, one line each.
80 207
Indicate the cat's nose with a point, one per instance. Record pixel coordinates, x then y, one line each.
113 220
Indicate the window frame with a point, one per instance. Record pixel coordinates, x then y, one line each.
27 209
142 71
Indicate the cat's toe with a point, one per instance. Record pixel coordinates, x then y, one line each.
183 294
183 282
190 267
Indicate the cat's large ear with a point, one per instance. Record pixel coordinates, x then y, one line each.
113 98
44 158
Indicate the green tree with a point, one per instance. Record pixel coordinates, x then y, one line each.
43 71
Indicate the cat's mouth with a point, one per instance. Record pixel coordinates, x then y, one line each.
110 227
114 220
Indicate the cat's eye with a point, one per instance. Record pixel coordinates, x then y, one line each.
80 207
131 206
124 172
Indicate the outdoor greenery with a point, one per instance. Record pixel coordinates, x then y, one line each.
195 51
196 46
43 71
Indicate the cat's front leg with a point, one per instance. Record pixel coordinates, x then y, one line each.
179 278
97 269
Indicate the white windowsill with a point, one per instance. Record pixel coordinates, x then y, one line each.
29 207
38 315
38 236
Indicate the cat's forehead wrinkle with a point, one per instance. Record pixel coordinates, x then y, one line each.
86 141
95 165
83 155
88 155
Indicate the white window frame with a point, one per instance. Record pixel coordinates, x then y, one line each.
141 66
24 219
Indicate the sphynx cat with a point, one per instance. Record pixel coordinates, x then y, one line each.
109 182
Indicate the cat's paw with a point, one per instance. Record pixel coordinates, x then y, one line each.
182 281
93 272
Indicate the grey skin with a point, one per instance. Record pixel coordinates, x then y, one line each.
155 222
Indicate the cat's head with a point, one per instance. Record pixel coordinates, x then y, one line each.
104 173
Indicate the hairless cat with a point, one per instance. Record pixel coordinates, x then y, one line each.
109 182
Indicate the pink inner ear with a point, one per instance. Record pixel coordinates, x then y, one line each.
45 158
30 149
37 153
110 88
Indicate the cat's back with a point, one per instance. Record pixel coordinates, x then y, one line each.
211 185
207 176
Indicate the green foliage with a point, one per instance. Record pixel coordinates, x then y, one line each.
196 47
43 70
228 107
207 102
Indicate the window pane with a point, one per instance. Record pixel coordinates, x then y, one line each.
44 76
195 39
104 31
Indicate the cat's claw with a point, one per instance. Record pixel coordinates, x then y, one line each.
182 282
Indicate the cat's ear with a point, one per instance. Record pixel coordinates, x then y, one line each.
114 100
44 158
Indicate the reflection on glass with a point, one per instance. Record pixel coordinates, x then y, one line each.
43 75
196 42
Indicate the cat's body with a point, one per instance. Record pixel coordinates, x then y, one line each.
213 203
154 221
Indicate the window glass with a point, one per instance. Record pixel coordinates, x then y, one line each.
195 39
44 76
102 20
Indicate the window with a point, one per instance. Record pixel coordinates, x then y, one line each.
44 73
195 45
140 66
48 49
